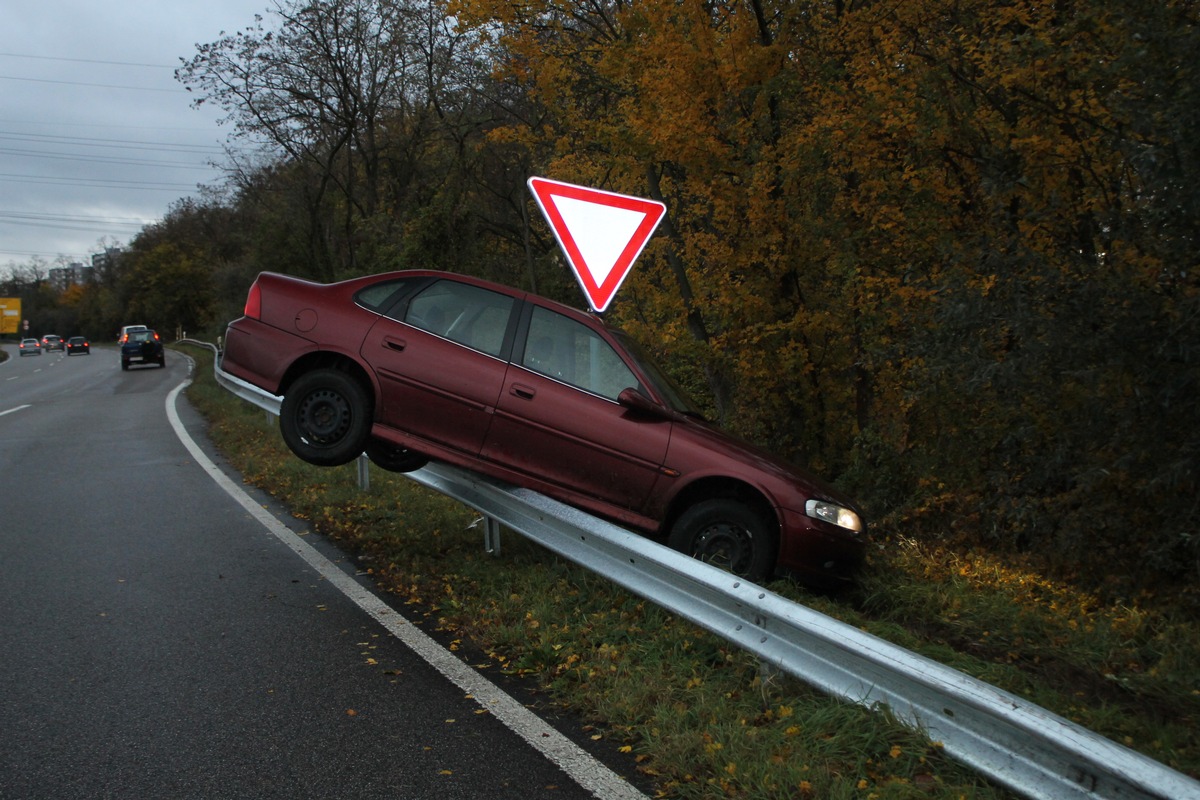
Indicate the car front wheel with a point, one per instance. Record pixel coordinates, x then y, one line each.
729 535
325 418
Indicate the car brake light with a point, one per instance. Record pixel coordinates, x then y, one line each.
254 302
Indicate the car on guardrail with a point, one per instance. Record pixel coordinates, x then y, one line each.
419 365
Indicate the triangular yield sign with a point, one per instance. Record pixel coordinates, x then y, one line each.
601 233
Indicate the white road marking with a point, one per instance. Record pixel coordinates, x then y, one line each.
585 770
11 410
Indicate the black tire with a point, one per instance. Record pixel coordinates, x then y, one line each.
394 459
124 364
325 418
729 535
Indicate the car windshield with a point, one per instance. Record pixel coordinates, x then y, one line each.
670 391
141 336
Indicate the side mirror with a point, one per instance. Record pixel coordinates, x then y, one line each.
636 401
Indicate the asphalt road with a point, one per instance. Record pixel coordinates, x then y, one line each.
159 641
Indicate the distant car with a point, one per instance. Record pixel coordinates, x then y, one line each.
142 347
52 342
127 329
411 366
30 347
78 344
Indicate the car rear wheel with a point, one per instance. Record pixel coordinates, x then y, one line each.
394 459
325 418
729 535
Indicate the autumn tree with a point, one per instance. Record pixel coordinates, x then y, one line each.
943 246
943 252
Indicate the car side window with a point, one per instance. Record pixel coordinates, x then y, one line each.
462 313
560 347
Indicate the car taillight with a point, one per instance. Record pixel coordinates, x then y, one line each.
254 302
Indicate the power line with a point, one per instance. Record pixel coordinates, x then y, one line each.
57 58
169 147
93 85
56 180
24 215
128 162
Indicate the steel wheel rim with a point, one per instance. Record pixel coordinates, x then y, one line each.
323 418
725 545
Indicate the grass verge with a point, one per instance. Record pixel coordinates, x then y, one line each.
696 715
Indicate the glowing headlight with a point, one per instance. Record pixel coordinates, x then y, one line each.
831 512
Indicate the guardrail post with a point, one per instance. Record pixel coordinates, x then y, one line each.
491 536
364 474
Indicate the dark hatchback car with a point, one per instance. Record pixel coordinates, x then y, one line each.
142 347
78 344
411 366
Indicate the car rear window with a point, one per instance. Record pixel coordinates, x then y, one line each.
380 296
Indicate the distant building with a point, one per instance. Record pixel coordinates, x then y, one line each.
75 273
102 262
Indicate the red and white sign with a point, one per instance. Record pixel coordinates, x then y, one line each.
601 233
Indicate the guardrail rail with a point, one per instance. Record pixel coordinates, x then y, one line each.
1017 744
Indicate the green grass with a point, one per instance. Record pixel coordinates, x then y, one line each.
699 717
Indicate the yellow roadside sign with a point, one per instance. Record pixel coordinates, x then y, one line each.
10 314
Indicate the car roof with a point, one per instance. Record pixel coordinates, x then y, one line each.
512 291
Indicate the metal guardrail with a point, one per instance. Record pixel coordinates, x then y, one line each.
1026 748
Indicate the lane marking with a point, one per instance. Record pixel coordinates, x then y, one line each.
11 410
590 774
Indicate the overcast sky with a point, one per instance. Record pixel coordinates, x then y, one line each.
97 138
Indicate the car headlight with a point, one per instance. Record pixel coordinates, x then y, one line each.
831 512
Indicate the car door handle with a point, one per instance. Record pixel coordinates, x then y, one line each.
522 391
395 344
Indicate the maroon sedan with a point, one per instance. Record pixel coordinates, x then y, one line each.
411 366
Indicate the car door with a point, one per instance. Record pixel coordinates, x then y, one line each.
440 360
558 418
